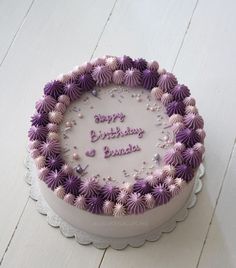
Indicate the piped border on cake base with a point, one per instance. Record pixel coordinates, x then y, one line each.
100 242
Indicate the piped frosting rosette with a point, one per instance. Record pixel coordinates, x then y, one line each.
157 189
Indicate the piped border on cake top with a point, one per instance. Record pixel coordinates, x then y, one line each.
88 194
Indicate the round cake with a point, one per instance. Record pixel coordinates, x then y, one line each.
116 144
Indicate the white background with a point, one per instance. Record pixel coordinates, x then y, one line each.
195 39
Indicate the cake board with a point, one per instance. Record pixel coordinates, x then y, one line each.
102 242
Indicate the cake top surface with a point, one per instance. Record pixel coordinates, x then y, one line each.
116 136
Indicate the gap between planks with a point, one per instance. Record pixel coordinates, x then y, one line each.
5 56
185 34
217 200
17 31
14 231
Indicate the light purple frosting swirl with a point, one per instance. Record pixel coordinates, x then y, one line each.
132 77
135 203
167 82
102 75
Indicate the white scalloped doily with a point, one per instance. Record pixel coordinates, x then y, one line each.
103 242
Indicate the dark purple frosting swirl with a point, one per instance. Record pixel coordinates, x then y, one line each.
54 162
39 119
149 79
180 92
95 204
72 90
54 89
185 172
54 179
124 63
175 107
109 192
140 64
72 185
37 133
161 193
86 82
142 187
188 137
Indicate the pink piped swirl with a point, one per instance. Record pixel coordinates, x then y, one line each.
191 109
118 77
201 133
175 118
149 200
108 207
157 93
89 187
153 65
64 99
102 75
176 127
80 202
119 210
189 101
166 99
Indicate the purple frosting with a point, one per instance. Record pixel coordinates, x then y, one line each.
193 121
185 172
192 157
37 133
72 185
135 203
109 192
132 77
54 162
89 187
95 204
142 187
50 148
45 104
188 137
72 90
180 92
54 89
167 82
175 107
54 179
161 193
86 82
149 79
124 63
39 119
102 75
140 64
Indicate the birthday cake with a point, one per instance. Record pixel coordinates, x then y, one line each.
116 144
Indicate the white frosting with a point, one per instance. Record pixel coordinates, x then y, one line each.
146 114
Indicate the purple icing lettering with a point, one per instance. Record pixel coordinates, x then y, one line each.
109 118
93 136
119 152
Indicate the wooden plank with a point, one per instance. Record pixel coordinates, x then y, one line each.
150 29
56 36
36 244
220 248
209 45
12 15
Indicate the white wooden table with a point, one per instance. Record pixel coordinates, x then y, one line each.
195 39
